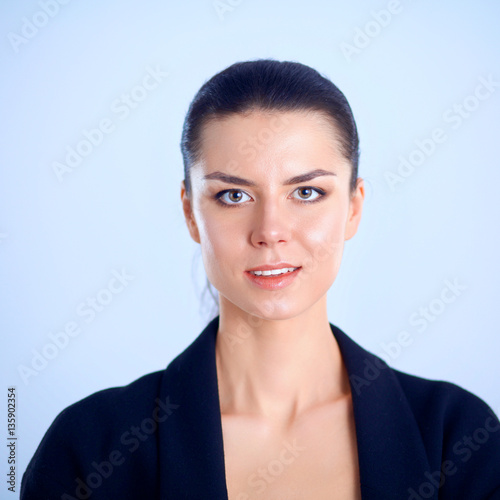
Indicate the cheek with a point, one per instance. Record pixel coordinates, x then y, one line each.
325 244
218 245
325 230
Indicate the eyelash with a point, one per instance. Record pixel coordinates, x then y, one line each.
219 195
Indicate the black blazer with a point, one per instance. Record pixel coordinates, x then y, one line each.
161 436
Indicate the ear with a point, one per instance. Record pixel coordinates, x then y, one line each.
188 214
355 209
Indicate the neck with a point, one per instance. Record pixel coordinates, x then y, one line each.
277 368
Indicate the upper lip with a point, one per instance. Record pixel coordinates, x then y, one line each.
270 267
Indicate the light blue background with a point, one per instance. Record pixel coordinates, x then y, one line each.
120 208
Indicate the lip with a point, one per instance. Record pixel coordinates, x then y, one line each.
273 282
270 267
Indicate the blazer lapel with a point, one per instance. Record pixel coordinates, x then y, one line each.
391 453
191 453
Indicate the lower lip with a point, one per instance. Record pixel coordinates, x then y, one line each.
273 282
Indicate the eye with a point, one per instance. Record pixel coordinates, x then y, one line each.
231 197
307 192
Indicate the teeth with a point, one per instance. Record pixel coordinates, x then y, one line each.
274 272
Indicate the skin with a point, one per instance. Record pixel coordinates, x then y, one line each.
280 373
278 364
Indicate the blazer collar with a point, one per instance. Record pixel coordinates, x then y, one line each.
191 454
391 453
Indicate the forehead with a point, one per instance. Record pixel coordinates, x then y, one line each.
271 136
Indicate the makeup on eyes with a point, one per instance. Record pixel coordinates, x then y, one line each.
321 195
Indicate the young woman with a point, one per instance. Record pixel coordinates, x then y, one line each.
271 400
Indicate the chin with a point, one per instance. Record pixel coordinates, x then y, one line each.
275 310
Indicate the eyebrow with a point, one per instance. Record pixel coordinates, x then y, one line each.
231 179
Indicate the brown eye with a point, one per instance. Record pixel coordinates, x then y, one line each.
231 197
235 196
306 193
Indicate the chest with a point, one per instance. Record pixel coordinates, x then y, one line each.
313 459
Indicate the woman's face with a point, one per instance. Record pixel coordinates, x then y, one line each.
248 208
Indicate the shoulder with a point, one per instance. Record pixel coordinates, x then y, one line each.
109 430
446 403
439 396
134 397
437 406
461 434
109 407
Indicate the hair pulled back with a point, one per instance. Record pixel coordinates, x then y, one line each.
268 85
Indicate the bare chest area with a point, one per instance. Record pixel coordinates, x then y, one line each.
315 458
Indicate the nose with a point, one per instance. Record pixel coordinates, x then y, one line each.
271 225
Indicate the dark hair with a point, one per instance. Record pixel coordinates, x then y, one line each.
268 85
